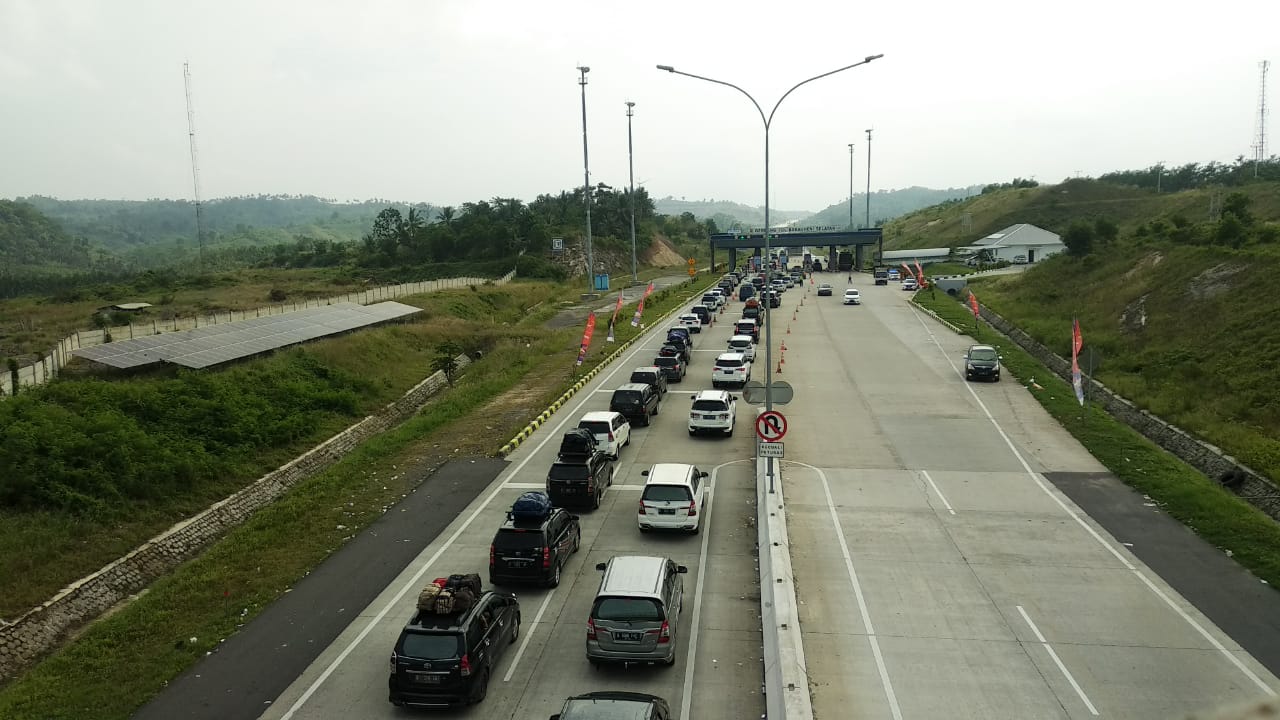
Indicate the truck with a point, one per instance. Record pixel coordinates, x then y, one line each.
845 261
881 274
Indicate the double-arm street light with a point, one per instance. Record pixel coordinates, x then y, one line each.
768 121
586 178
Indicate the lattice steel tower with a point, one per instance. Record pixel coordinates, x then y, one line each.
1260 138
195 165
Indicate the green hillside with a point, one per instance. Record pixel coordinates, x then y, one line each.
725 213
886 205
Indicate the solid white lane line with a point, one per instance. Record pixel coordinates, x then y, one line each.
417 577
941 497
1035 477
686 696
1057 661
537 618
857 593
543 486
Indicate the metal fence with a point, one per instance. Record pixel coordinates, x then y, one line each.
52 362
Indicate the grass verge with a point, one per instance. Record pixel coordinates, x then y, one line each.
120 662
1216 515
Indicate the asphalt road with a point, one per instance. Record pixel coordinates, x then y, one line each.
942 575
717 674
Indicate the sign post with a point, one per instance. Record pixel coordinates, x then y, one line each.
693 269
771 426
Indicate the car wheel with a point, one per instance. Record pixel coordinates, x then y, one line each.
692 432
697 528
628 442
997 377
555 576
729 432
577 540
656 408
616 456
515 631
595 500
481 689
670 662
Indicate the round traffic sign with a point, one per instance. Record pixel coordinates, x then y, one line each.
771 426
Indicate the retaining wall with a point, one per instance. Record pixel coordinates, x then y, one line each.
43 629
1249 484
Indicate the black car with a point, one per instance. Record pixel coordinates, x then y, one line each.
614 705
676 349
579 479
982 361
444 660
652 376
703 314
675 368
638 402
533 550
680 332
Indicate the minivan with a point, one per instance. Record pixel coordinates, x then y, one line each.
746 291
636 611
672 496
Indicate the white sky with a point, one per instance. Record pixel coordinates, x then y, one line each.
448 102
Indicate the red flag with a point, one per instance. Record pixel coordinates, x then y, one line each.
1077 341
613 320
635 319
907 270
919 271
973 303
586 337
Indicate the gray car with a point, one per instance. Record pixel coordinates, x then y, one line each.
636 611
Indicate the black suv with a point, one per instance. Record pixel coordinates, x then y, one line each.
611 704
703 314
652 376
673 367
638 402
579 479
443 660
533 551
982 361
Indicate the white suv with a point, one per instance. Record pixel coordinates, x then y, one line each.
612 431
743 344
730 368
713 410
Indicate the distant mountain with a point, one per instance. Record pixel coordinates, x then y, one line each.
726 213
887 205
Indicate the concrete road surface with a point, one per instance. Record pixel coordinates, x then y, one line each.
717 675
941 574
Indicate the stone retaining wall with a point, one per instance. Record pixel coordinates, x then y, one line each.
42 629
1249 484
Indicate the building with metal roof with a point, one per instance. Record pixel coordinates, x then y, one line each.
1018 243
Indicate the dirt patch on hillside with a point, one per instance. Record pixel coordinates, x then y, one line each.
1145 263
661 253
1214 281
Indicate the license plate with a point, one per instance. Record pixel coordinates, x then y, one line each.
628 636
427 679
519 563
667 511
727 372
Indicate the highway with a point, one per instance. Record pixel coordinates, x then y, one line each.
940 573
717 674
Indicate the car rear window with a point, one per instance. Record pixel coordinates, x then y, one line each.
740 343
431 646
710 405
626 609
728 362
643 377
518 539
664 362
560 471
629 396
666 493
597 427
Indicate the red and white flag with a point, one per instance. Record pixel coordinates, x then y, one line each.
586 338
614 320
973 303
635 319
907 270
919 272
1077 380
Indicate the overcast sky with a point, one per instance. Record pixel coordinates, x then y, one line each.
448 102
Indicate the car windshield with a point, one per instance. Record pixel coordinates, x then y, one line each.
982 354
597 427
561 471
425 646
710 405
627 396
626 609
518 540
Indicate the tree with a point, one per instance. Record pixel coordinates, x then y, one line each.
386 232
1231 230
1237 203
1078 238
1105 230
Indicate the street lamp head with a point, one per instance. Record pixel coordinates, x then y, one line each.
584 69
873 57
630 104
668 68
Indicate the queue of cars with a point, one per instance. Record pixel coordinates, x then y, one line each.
448 651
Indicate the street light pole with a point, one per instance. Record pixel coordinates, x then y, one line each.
631 174
880 260
586 178
850 185
768 121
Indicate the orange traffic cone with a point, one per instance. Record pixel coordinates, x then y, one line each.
784 347
788 329
779 370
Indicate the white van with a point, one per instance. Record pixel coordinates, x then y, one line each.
743 344
674 498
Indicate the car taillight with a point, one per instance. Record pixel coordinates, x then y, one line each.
664 635
611 438
693 508
591 629
393 663
491 556
640 511
465 665
546 557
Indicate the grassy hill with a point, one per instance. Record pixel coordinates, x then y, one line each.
725 213
886 204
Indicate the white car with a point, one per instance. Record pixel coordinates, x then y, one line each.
852 297
743 344
713 410
612 431
730 369
910 284
720 297
691 321
674 498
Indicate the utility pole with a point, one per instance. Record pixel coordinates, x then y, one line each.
586 179
195 165
850 185
631 175
868 178
1260 142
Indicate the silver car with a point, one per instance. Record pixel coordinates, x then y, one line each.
636 611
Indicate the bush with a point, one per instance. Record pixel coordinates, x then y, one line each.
277 295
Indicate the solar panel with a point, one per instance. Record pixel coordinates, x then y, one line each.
215 344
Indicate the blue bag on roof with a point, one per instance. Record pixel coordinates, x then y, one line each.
532 505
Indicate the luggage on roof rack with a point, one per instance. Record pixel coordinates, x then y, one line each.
533 505
578 441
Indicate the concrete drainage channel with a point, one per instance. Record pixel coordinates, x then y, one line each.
786 676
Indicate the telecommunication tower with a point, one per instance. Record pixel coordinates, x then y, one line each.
1260 138
195 165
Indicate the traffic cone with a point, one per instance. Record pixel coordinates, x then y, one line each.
779 370
788 329
784 347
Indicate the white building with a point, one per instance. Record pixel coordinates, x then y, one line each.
1018 243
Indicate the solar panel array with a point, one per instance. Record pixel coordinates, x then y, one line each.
216 344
